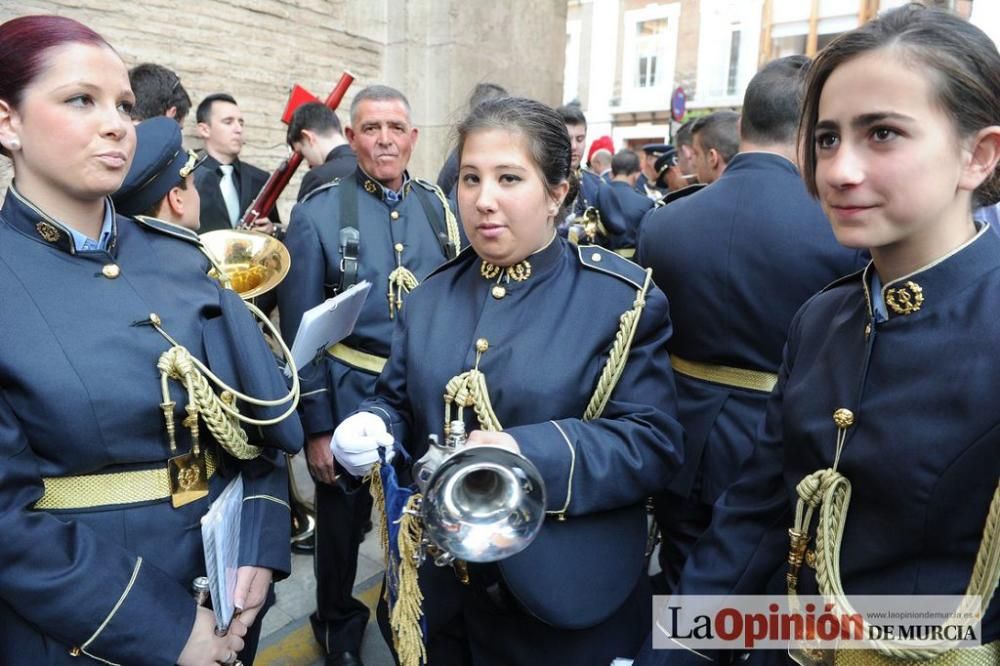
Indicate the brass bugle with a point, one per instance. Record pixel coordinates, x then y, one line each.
249 262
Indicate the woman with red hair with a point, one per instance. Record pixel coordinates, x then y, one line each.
103 476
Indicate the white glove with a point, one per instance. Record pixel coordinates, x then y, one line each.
356 441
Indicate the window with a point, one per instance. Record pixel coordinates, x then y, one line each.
649 38
727 50
734 62
823 40
648 58
571 74
788 45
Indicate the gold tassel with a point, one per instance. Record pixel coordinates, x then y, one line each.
401 281
378 499
408 635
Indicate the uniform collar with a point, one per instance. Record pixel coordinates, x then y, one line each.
534 266
33 222
930 285
760 158
212 164
380 191
343 149
84 243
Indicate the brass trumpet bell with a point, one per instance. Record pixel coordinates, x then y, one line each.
253 263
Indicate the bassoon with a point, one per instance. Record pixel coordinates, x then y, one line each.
275 185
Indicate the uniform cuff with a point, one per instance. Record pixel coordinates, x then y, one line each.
267 520
131 634
554 454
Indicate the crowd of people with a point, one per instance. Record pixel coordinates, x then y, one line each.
785 307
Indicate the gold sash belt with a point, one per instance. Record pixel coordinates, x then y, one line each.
88 491
755 380
357 358
981 655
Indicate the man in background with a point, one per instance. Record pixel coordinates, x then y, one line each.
160 182
226 184
737 259
158 92
621 207
316 133
715 141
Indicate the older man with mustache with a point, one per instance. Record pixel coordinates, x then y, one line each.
383 226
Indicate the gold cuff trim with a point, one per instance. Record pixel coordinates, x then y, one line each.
269 498
95 658
969 656
88 491
754 380
121 600
357 358
561 513
627 252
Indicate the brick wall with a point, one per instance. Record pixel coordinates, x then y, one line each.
256 49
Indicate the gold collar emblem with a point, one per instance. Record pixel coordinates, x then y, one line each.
370 186
905 299
519 272
48 231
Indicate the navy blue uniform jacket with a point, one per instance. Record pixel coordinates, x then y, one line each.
737 260
546 351
921 456
587 194
622 209
333 389
80 394
340 163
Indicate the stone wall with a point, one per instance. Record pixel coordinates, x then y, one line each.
434 51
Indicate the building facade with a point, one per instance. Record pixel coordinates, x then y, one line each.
626 58
435 52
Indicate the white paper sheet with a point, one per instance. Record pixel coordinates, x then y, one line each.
220 533
328 323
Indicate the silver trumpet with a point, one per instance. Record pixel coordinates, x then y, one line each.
480 504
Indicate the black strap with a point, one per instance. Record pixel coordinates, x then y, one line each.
350 237
437 218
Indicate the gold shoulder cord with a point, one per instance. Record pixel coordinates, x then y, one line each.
829 492
618 356
220 412
469 390
450 222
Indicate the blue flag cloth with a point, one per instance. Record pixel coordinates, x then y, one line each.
401 576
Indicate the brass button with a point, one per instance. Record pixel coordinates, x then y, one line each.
399 247
499 291
111 271
596 256
482 344
394 214
844 418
